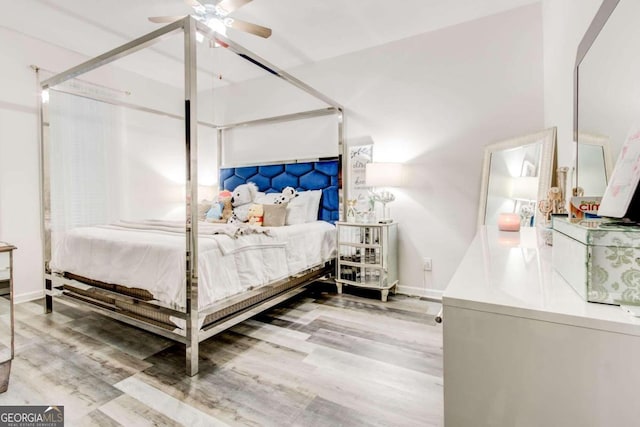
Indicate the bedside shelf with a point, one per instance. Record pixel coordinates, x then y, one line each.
367 256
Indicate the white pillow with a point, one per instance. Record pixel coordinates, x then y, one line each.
304 208
297 210
313 205
267 199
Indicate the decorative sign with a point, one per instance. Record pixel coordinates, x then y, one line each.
359 156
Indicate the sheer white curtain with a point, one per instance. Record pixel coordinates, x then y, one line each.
85 136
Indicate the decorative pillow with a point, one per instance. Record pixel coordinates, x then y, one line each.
274 215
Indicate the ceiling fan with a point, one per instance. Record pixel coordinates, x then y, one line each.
215 14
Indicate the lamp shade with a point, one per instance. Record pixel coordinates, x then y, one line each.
384 174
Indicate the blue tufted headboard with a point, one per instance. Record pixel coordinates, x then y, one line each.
321 175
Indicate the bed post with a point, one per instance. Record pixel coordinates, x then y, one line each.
219 155
45 192
344 163
191 202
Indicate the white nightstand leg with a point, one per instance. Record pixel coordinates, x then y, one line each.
339 286
385 294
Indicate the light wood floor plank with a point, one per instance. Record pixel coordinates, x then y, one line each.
321 359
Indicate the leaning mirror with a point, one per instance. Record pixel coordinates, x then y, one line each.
516 174
607 90
593 163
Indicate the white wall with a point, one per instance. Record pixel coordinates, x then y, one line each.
433 101
19 170
153 158
565 23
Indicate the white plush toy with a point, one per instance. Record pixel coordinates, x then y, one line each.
241 200
288 193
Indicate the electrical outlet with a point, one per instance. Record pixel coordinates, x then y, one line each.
426 262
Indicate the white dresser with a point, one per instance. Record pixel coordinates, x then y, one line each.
521 348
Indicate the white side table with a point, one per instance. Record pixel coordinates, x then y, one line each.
368 256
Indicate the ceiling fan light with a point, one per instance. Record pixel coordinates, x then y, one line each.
221 11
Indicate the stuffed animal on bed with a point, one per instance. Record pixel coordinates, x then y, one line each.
221 210
288 193
256 214
241 200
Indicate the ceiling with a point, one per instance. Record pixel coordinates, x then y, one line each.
304 31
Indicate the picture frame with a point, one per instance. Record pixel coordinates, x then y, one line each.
359 156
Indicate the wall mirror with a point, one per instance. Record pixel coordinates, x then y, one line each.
607 91
516 174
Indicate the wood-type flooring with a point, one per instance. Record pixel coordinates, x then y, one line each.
320 359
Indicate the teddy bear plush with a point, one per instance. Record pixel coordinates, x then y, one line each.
221 210
241 200
256 214
288 193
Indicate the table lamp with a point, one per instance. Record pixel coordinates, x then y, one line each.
525 189
381 176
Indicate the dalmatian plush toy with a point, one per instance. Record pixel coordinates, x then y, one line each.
288 193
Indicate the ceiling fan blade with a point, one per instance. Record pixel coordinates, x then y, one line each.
248 27
164 19
229 6
193 3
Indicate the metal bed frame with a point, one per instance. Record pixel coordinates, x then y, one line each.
234 309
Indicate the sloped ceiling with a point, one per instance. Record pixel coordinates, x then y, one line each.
304 31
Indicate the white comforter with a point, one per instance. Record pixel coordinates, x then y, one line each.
150 256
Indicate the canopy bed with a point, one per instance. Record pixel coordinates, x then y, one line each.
190 280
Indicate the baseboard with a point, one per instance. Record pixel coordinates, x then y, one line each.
28 296
411 290
416 291
434 293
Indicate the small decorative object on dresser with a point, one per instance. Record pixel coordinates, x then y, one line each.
509 222
368 256
6 311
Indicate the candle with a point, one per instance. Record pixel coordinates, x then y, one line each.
509 222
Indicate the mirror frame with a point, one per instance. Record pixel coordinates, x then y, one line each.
600 19
545 170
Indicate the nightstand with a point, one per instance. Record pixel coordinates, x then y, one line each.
6 311
368 256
